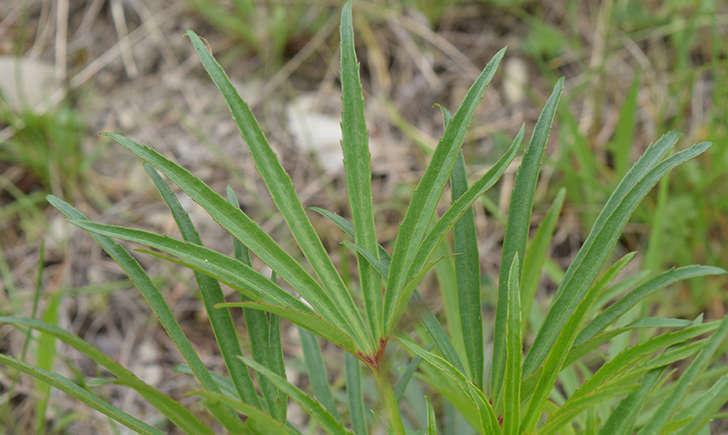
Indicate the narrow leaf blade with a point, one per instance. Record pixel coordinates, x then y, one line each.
355 145
284 195
516 235
429 189
311 406
81 394
467 269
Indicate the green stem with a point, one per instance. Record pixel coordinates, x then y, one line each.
390 403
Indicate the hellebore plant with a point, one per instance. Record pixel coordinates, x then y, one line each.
574 376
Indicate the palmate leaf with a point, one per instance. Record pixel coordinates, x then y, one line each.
247 231
284 196
355 146
427 194
582 272
88 398
155 300
220 320
516 235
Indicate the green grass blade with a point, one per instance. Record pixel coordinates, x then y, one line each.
536 255
549 330
467 269
36 295
624 132
512 389
447 277
355 396
241 251
346 226
170 408
226 269
311 406
558 354
244 229
596 248
428 191
704 410
45 359
223 382
284 196
516 235
466 408
257 324
577 352
317 371
433 326
409 371
489 422
555 423
156 301
622 418
274 351
377 266
355 145
624 359
431 419
310 321
668 406
440 337
258 417
88 398
446 222
614 311
220 320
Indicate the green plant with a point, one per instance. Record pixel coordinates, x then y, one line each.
263 27
686 217
43 156
565 382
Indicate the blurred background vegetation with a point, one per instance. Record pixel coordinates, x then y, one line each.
70 69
